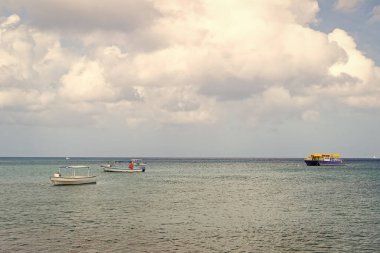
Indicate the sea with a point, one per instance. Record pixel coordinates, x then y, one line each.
192 205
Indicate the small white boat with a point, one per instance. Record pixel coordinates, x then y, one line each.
127 170
131 166
73 179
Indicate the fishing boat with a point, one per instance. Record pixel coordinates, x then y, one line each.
73 178
129 166
323 160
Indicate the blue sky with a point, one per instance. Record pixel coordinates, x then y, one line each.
189 79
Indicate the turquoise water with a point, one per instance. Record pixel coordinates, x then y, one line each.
192 205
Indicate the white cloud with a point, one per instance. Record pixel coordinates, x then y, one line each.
188 63
364 102
311 116
347 5
357 66
9 22
85 82
86 15
30 56
375 14
32 100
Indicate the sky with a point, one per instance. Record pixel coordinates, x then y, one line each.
199 78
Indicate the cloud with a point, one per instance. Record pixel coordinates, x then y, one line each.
311 116
9 22
28 54
277 104
177 63
364 102
34 100
87 15
365 74
85 81
270 44
347 5
375 14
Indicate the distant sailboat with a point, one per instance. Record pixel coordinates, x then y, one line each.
374 157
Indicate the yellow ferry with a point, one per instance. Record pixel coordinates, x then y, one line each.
323 160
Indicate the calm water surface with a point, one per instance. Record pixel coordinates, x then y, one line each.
192 205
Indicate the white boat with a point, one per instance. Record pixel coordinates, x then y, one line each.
130 166
73 179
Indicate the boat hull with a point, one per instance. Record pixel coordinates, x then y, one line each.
323 163
127 170
74 180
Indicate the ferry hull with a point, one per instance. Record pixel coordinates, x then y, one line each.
323 163
312 163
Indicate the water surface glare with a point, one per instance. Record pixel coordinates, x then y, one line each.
192 205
